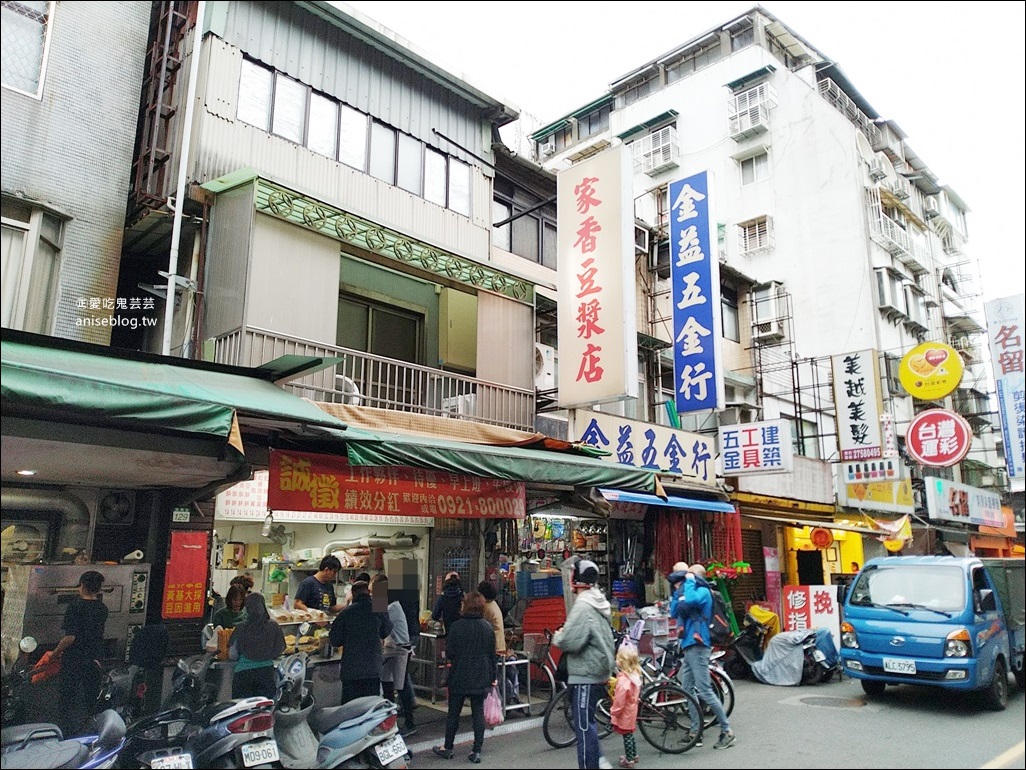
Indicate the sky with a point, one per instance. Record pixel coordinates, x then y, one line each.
946 73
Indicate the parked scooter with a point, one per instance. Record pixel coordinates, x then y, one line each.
124 687
361 733
43 746
748 647
15 682
796 658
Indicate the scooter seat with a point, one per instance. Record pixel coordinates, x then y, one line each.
31 732
43 755
326 720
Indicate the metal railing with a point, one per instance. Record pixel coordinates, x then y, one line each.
364 379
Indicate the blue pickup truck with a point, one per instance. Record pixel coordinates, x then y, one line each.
942 621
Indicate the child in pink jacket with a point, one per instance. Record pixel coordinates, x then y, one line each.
625 701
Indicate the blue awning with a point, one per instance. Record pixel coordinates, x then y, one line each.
690 503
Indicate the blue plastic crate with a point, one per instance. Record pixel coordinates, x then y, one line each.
530 586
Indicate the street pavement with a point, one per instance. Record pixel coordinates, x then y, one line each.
829 725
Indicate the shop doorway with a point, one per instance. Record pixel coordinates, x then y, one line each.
810 568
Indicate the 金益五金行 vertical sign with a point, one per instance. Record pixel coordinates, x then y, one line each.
598 340
695 293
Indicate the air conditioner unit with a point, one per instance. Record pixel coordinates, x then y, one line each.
900 187
768 330
548 147
544 367
115 507
736 415
878 170
931 208
641 239
460 406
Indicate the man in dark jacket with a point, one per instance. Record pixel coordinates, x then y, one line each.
360 631
450 602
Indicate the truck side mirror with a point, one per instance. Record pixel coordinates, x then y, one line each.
987 601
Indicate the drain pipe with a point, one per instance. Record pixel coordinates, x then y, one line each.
183 165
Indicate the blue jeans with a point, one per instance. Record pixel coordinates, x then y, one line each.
694 677
583 700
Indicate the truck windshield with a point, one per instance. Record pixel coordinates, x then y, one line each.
935 587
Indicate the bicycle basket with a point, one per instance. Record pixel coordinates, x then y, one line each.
536 646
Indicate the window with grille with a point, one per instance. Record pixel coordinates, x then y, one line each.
24 41
755 235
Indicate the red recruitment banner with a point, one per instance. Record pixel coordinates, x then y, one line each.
301 481
185 581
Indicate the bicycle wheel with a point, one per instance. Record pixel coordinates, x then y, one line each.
664 717
604 717
723 689
543 687
557 724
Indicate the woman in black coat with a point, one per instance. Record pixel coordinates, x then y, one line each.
470 650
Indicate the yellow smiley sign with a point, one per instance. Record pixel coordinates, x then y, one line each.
931 371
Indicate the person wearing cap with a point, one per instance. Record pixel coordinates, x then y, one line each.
449 603
693 611
586 638
79 650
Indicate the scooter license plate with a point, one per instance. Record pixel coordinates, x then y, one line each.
899 666
389 751
818 656
172 762
259 753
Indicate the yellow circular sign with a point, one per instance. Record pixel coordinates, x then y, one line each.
931 371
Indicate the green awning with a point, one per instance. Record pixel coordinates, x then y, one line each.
45 378
498 462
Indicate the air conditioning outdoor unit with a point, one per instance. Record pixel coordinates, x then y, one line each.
877 170
460 406
768 330
900 187
931 208
544 367
115 507
548 147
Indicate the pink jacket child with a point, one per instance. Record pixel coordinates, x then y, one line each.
625 702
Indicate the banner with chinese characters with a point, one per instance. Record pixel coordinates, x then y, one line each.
812 607
857 401
301 481
952 501
1005 326
695 294
185 581
646 445
597 321
247 501
758 447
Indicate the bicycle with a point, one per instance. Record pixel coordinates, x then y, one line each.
666 666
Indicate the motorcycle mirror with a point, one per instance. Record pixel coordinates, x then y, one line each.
28 644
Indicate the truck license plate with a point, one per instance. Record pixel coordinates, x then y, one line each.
899 666
259 753
389 751
173 762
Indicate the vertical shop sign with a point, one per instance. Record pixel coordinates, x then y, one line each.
597 322
758 447
185 581
1005 326
812 607
857 401
695 293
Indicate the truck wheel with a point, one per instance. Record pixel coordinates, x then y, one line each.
995 697
873 689
1020 679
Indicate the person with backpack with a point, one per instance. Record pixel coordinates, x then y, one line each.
692 607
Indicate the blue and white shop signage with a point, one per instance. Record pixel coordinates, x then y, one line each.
695 293
756 448
651 446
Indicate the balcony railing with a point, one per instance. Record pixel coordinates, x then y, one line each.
898 242
363 379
